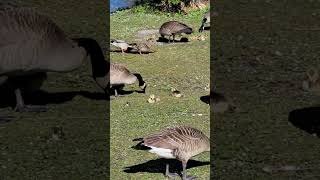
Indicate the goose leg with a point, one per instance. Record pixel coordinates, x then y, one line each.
184 174
201 28
173 38
21 107
168 174
115 92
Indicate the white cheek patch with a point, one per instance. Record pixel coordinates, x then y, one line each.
165 153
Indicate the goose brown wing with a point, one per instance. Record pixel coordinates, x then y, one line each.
174 137
119 68
160 142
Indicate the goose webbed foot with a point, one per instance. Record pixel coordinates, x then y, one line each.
30 108
169 174
190 178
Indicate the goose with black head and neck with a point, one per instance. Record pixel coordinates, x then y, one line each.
31 43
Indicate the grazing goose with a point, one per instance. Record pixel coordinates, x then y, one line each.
120 44
172 28
120 75
31 43
143 47
205 20
180 142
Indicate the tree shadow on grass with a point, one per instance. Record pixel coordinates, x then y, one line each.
159 166
306 119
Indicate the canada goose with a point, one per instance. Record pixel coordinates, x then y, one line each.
142 47
120 44
205 20
312 83
120 75
32 43
180 142
172 28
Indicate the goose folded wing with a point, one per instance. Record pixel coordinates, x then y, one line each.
160 142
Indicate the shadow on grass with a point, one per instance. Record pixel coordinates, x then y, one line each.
205 99
122 92
206 28
159 166
306 119
43 98
165 40
130 51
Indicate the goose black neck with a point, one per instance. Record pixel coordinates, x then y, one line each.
99 64
139 77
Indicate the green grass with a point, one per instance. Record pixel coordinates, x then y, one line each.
184 66
266 86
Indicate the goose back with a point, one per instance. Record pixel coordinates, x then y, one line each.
174 27
119 74
30 41
183 141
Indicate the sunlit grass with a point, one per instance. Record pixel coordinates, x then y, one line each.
184 66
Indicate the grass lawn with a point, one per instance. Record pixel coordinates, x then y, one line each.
184 66
263 49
